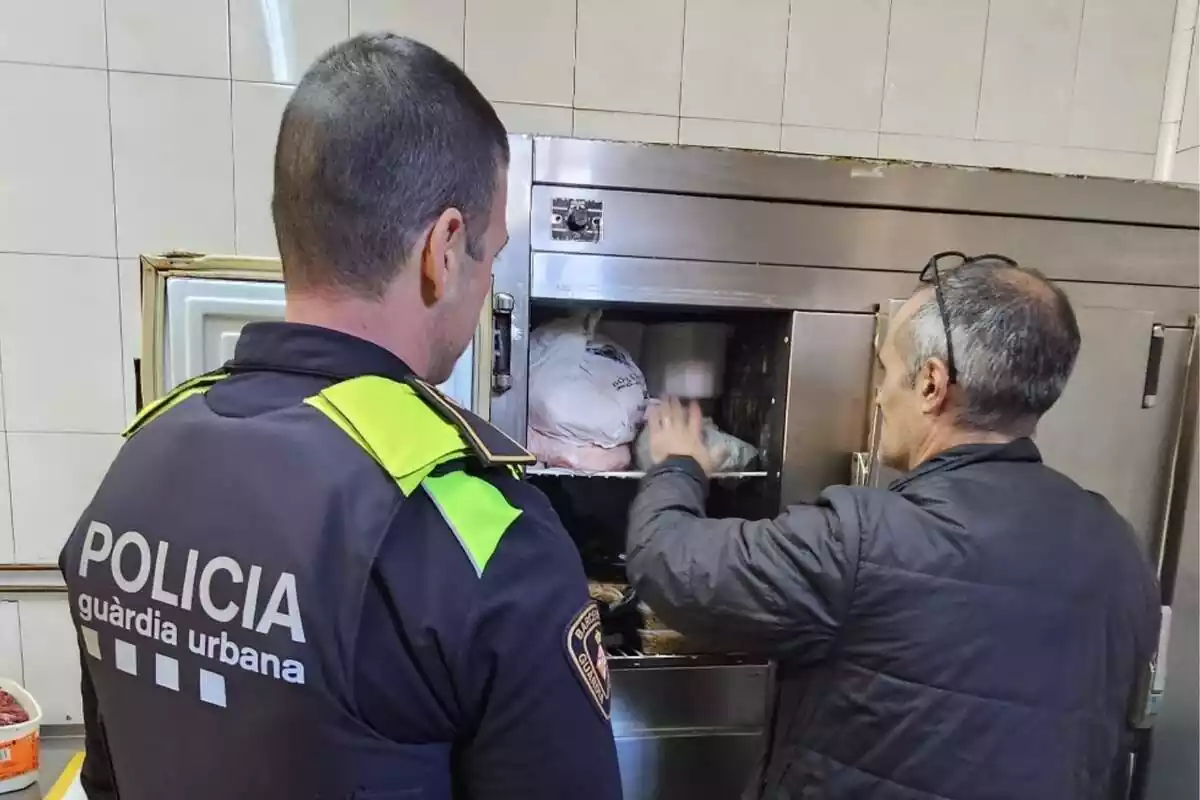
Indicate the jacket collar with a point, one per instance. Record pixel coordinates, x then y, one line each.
312 350
294 348
1019 450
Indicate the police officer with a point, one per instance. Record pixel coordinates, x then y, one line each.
308 574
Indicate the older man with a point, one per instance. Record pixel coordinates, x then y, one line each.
975 630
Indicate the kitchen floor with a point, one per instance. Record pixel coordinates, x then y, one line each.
56 752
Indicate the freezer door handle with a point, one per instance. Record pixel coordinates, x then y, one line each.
502 314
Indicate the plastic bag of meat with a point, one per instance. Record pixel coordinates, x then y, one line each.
736 454
582 457
11 712
584 388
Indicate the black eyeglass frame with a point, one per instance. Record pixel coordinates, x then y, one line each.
930 275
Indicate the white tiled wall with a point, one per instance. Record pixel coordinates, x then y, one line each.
1186 168
131 126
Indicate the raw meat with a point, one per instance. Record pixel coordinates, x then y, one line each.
11 712
554 452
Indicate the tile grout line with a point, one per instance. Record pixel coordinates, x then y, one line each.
987 21
12 517
20 632
232 133
112 166
72 432
574 65
682 60
79 68
887 47
787 53
1075 75
82 67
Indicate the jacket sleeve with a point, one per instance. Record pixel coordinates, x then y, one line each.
777 587
544 732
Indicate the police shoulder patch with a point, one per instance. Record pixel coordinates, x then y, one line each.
585 651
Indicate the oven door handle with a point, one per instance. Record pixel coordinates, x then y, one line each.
502 319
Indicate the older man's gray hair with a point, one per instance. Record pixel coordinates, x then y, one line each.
1015 341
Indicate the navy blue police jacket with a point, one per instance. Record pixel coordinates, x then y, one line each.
263 613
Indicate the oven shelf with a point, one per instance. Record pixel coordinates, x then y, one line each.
632 474
626 659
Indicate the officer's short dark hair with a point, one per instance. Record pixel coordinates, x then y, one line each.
382 135
1015 342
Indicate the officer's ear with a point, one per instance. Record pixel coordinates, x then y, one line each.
443 256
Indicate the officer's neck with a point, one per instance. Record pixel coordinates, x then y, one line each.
405 335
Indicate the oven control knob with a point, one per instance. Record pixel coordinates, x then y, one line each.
577 219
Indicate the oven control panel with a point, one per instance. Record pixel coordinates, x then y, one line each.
575 220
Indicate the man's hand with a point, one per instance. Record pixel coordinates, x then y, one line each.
679 431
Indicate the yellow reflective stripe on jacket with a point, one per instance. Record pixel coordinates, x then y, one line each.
394 425
475 510
409 439
408 481
198 385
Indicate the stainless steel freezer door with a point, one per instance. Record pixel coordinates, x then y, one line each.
205 317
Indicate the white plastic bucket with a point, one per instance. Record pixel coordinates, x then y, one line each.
20 746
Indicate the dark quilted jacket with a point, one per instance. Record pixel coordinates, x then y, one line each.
974 632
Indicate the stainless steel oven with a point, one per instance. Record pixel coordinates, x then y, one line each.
800 258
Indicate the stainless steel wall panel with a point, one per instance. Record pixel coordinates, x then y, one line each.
687 766
719 229
588 278
689 733
829 398
649 699
1172 307
1078 436
1147 465
616 279
734 173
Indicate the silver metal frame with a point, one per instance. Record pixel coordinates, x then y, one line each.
855 182
564 277
707 228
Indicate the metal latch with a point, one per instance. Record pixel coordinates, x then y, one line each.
1156 681
860 469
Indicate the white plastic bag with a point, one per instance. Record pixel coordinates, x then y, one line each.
584 389
736 455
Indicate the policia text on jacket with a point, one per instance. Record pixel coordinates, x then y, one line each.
221 588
